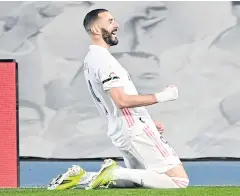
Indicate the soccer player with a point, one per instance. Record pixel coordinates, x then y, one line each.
150 160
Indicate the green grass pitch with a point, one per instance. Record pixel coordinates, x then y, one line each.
191 191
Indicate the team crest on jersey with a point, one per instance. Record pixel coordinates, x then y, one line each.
112 75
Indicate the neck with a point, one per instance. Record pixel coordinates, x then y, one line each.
101 43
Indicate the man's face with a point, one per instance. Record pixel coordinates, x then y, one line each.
108 27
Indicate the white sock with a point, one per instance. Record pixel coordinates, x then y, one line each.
145 178
124 184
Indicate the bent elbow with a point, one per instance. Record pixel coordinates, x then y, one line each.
122 103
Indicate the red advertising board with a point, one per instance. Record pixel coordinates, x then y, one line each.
9 156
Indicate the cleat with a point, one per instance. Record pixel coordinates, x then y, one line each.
103 179
69 180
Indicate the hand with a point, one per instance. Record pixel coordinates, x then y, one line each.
159 126
170 93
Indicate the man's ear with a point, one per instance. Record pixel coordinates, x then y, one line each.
95 30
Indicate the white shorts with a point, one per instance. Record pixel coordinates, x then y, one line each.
148 149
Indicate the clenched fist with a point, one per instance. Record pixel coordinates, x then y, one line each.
170 93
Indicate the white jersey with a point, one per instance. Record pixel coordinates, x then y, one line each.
130 129
102 72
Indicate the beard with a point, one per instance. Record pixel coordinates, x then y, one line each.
108 38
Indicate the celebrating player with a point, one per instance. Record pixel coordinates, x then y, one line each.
150 160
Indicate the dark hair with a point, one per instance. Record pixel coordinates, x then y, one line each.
91 17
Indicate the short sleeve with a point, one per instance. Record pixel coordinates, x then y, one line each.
110 77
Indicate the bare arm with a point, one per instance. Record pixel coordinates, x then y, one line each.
122 100
113 83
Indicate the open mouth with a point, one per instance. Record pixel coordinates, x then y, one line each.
114 32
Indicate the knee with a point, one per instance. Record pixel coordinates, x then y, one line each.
181 182
186 183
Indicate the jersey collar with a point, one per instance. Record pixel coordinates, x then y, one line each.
94 47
